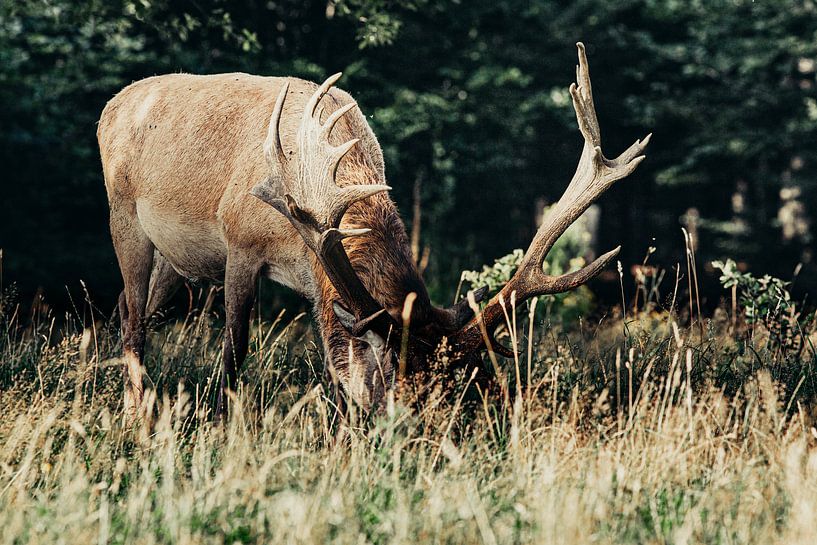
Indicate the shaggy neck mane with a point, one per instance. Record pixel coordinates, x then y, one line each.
382 257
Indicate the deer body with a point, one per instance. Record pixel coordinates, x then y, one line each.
180 154
184 151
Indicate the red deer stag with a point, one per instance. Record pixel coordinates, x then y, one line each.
190 165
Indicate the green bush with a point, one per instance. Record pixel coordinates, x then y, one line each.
567 255
760 298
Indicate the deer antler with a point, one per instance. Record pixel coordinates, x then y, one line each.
315 204
594 175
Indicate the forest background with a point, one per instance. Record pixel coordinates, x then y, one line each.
469 100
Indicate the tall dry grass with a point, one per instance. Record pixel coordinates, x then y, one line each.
646 434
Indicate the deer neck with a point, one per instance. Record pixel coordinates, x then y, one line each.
381 258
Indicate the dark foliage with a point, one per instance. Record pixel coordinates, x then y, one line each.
469 97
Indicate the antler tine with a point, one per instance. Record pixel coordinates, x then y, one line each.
319 163
582 92
273 150
314 100
339 152
330 122
632 153
594 175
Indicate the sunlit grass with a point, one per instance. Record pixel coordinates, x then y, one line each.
650 434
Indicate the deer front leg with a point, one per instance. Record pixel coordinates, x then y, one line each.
239 292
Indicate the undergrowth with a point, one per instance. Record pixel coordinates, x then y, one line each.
644 430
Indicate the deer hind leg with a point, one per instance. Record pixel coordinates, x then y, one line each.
164 282
134 251
239 292
123 313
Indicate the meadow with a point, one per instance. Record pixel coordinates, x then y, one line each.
642 426
672 417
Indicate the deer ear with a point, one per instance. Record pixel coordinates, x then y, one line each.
346 318
374 340
266 190
353 327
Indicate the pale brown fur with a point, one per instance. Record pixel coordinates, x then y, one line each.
180 154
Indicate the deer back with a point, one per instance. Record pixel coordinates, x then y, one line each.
187 149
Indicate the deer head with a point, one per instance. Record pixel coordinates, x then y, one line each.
314 204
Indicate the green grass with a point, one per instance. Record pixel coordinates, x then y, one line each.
665 435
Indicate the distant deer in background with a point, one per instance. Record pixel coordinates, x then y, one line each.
191 164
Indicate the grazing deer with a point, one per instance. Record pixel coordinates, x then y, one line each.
191 164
